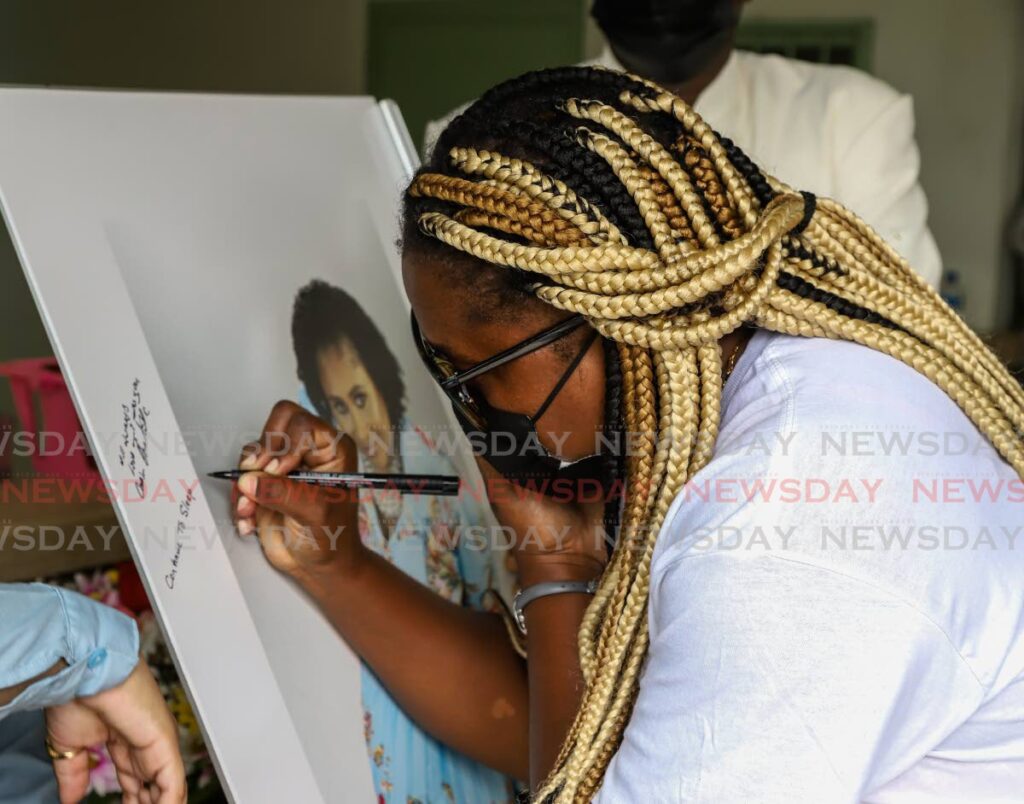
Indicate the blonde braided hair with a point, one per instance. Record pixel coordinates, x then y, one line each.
707 245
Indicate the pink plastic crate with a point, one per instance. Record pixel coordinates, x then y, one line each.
56 445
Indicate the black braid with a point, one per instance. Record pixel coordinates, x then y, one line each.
806 290
764 194
751 172
522 110
614 464
540 83
586 172
534 90
794 248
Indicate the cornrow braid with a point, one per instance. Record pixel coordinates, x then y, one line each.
540 84
507 172
677 239
587 173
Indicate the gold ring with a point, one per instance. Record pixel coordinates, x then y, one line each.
55 754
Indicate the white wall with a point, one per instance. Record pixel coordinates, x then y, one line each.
963 64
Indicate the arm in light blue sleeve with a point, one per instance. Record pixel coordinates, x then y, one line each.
40 625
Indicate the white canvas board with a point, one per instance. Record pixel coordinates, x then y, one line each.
164 237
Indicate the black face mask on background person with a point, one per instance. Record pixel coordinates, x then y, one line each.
668 41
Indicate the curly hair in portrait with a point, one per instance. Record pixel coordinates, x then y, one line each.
324 316
604 195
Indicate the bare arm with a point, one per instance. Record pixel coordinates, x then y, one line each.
8 694
555 681
453 670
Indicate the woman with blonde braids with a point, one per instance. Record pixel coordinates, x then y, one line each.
808 589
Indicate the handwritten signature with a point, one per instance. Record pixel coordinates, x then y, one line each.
133 451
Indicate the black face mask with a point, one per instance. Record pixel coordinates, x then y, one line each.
510 441
668 41
512 445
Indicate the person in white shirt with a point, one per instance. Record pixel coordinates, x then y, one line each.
813 590
835 610
832 130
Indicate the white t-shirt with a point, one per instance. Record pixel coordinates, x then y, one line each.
837 599
834 131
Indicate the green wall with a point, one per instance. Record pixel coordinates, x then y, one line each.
434 55
308 46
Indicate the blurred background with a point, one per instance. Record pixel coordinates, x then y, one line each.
963 63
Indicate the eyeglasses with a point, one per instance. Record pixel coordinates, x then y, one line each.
453 382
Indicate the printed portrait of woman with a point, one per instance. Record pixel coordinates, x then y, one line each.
351 379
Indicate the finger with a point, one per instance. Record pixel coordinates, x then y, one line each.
270 531
272 436
244 507
72 776
303 502
159 763
340 456
278 439
315 444
168 781
241 507
257 454
140 772
252 456
170 787
242 511
71 727
127 776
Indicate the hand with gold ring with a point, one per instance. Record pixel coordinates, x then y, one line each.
133 721
56 753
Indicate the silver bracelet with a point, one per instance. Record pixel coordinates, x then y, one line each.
526 596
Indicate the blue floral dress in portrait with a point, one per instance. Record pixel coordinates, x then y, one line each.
408 765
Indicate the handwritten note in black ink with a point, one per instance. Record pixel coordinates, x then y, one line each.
133 451
184 508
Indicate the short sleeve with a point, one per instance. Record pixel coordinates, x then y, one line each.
41 625
780 682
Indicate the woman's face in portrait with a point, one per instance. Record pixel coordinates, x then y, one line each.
357 407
